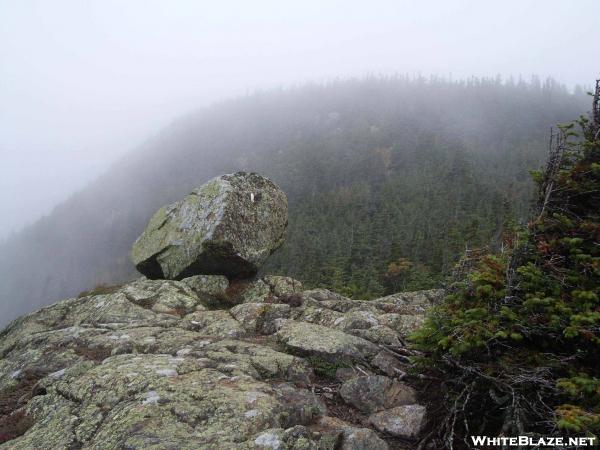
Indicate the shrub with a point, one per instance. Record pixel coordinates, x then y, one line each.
515 344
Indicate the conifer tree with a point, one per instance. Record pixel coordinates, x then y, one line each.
515 345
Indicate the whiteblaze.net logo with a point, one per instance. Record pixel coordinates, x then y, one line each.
528 441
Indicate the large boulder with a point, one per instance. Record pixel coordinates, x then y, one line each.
229 226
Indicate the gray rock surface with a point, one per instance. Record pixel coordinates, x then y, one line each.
350 437
158 364
210 289
229 226
319 341
388 364
375 393
260 317
402 421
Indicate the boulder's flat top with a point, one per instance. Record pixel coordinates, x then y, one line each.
200 363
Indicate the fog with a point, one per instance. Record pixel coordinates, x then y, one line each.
81 83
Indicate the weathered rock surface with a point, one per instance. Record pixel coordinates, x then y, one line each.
332 345
351 437
376 392
210 289
229 226
387 363
260 317
157 364
402 421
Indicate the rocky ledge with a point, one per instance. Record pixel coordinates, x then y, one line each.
209 362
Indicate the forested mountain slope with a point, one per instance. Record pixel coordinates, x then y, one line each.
388 180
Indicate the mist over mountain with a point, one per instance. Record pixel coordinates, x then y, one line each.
389 179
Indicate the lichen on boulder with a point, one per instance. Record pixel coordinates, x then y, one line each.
229 226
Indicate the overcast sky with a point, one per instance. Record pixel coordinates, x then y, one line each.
81 82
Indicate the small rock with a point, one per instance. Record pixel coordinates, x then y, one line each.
345 436
375 393
260 317
304 407
403 421
362 439
151 398
333 345
403 324
294 300
322 295
357 320
271 440
254 292
299 438
317 315
167 372
388 365
229 226
283 285
378 334
213 323
210 289
345 373
162 296
411 303
57 374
